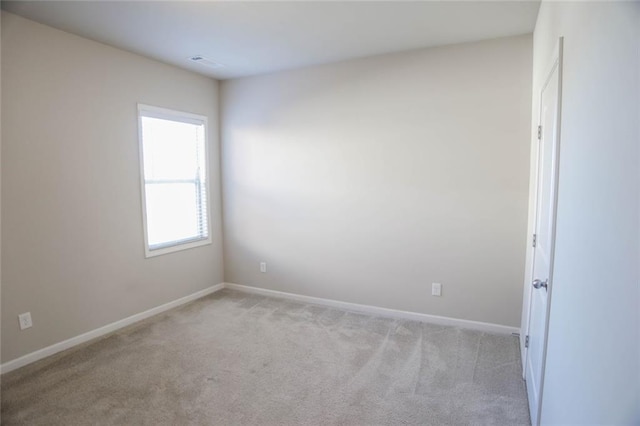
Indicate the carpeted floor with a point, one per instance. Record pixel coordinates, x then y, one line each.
238 359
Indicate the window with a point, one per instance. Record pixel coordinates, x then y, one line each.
174 170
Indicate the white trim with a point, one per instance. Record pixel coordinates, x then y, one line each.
376 310
175 246
98 332
171 114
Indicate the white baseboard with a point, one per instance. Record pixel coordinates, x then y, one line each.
375 310
354 307
98 332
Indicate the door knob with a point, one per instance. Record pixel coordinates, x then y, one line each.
540 284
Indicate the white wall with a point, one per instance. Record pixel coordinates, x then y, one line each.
0 197
72 243
593 359
365 181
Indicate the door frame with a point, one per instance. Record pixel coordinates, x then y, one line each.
556 61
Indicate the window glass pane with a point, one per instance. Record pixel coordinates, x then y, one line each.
172 149
172 212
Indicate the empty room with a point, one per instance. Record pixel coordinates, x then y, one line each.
320 213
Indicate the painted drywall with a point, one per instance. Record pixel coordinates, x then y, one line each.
72 243
593 358
0 194
366 181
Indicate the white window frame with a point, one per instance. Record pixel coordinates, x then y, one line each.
185 117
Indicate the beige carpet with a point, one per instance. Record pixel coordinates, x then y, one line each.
238 359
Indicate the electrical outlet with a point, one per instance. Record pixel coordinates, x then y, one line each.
436 289
25 320
263 267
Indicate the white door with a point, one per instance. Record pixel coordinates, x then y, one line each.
546 192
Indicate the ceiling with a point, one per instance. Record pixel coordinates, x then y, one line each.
260 37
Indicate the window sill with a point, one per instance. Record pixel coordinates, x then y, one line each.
176 247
